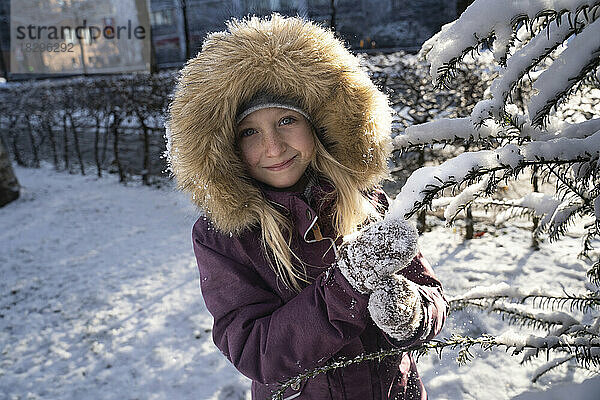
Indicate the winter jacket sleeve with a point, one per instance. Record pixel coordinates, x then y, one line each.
266 339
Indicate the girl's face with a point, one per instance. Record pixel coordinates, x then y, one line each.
276 145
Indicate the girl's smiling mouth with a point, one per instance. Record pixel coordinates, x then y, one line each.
284 165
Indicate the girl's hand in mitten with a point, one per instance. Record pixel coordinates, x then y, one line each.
395 307
376 252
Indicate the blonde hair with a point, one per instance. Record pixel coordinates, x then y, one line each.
352 209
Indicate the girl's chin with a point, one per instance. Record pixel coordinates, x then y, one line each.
282 182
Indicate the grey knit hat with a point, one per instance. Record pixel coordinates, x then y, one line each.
266 100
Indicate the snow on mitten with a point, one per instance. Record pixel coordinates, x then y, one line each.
395 307
377 251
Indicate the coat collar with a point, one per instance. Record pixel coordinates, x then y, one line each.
303 207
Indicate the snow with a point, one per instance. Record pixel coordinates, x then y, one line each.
101 299
572 131
587 390
499 263
169 155
499 289
508 156
100 295
455 169
541 204
466 196
559 317
559 76
444 130
516 66
479 20
563 148
519 340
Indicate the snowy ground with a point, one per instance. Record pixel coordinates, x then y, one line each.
100 300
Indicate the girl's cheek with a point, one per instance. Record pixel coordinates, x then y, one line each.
310 145
250 153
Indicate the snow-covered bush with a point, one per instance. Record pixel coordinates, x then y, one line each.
85 118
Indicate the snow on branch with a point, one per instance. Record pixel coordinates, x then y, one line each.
499 290
444 130
573 131
586 350
502 291
449 130
427 182
517 66
521 341
567 334
550 365
539 204
490 19
525 315
580 58
535 204
465 197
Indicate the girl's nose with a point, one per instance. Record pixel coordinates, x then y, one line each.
273 144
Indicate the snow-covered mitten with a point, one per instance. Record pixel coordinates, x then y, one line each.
395 307
376 252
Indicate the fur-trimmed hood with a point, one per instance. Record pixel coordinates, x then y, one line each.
282 55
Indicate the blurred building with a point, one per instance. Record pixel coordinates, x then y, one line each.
366 25
363 24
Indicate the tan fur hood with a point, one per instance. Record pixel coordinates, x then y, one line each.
282 55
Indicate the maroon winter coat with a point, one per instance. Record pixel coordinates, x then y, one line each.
270 333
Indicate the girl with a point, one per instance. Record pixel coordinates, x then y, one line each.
281 138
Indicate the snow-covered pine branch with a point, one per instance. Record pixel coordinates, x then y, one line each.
580 59
546 208
511 303
450 130
564 329
519 65
427 182
550 365
494 22
540 205
554 42
444 130
524 315
586 351
583 302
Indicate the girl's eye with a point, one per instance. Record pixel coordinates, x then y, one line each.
247 132
287 120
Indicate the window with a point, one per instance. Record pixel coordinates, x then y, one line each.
161 17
